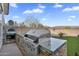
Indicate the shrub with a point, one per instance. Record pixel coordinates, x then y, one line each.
61 34
78 35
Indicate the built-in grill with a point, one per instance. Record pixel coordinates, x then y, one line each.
35 39
32 40
35 34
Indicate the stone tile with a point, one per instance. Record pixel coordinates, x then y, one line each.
10 50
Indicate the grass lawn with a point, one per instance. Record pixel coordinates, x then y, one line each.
72 45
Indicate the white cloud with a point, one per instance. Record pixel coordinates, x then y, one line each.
58 5
74 8
27 11
67 9
37 10
44 19
15 17
41 6
71 18
13 5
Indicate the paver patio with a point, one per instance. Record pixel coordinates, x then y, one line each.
10 50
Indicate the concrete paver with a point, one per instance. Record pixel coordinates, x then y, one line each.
10 50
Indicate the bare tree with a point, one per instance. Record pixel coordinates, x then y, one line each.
32 21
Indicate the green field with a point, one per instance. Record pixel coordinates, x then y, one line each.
72 45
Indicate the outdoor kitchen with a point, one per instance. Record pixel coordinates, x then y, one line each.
38 42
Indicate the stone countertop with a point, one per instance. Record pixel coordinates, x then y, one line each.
20 34
52 44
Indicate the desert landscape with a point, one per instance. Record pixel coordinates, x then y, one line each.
67 30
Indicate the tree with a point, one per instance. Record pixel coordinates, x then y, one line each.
11 22
32 21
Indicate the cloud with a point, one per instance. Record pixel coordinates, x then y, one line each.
41 6
67 9
58 5
74 8
71 18
16 17
27 11
44 19
37 10
13 5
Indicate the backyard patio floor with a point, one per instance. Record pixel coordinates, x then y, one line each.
10 50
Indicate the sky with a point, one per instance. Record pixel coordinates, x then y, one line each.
50 14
